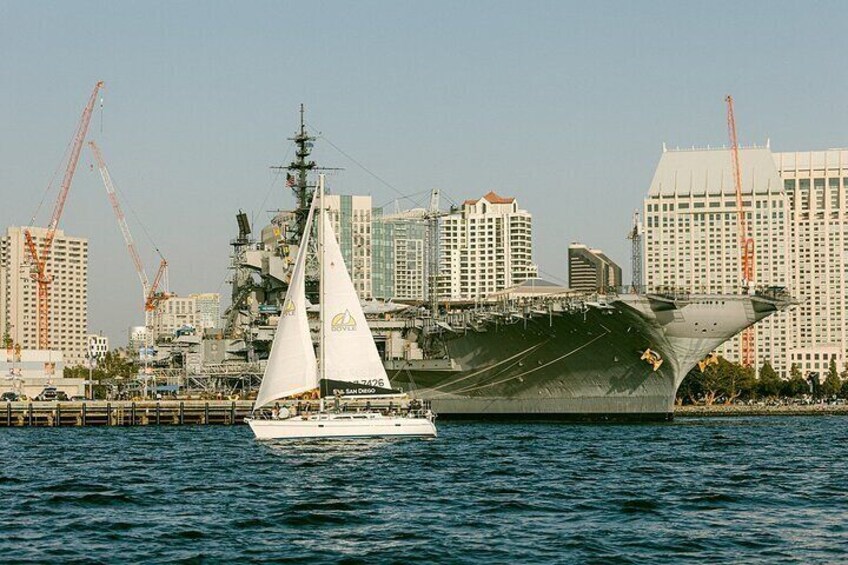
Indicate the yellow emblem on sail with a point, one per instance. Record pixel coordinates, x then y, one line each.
343 322
288 309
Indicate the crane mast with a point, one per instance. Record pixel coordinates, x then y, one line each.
119 215
39 259
746 243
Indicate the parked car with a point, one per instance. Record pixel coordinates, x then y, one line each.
9 397
48 394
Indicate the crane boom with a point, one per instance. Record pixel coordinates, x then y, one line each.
122 221
39 260
746 243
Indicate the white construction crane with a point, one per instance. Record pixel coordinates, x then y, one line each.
150 293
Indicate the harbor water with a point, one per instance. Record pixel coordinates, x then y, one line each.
756 489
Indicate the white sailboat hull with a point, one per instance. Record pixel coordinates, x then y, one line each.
342 426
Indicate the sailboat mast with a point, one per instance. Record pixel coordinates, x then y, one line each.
321 364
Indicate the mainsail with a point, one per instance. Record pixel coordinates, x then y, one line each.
352 363
292 367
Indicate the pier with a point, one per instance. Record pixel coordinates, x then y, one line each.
125 413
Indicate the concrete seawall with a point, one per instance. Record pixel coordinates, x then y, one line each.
736 410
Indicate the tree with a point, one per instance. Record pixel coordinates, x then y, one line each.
832 384
736 381
722 379
796 385
690 389
769 384
704 384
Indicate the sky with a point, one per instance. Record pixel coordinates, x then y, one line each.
564 105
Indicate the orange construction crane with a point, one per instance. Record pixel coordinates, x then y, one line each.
39 259
746 243
154 295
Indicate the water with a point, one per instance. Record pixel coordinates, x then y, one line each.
765 490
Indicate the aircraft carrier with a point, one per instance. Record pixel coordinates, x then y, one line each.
594 357
536 350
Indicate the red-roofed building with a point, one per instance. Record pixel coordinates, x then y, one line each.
486 246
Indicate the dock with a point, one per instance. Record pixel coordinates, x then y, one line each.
125 413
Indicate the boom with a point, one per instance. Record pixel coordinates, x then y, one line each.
122 222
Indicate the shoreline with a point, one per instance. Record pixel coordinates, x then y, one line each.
690 411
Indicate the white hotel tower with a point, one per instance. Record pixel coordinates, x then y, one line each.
796 216
691 240
815 183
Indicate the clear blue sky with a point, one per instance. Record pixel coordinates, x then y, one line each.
564 105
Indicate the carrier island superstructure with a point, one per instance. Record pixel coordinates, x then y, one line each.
534 350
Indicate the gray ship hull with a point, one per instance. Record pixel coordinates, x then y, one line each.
586 363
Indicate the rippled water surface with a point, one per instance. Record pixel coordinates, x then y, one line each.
701 490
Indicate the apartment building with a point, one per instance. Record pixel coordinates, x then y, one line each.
485 247
67 264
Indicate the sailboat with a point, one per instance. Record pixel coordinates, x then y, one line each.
349 369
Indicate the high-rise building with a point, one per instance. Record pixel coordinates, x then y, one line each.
208 306
399 266
815 183
67 264
590 270
485 247
691 238
351 217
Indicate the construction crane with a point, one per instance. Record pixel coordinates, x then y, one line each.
39 259
635 237
151 294
746 243
154 295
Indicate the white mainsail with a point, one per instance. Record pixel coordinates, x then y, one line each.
350 354
292 367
